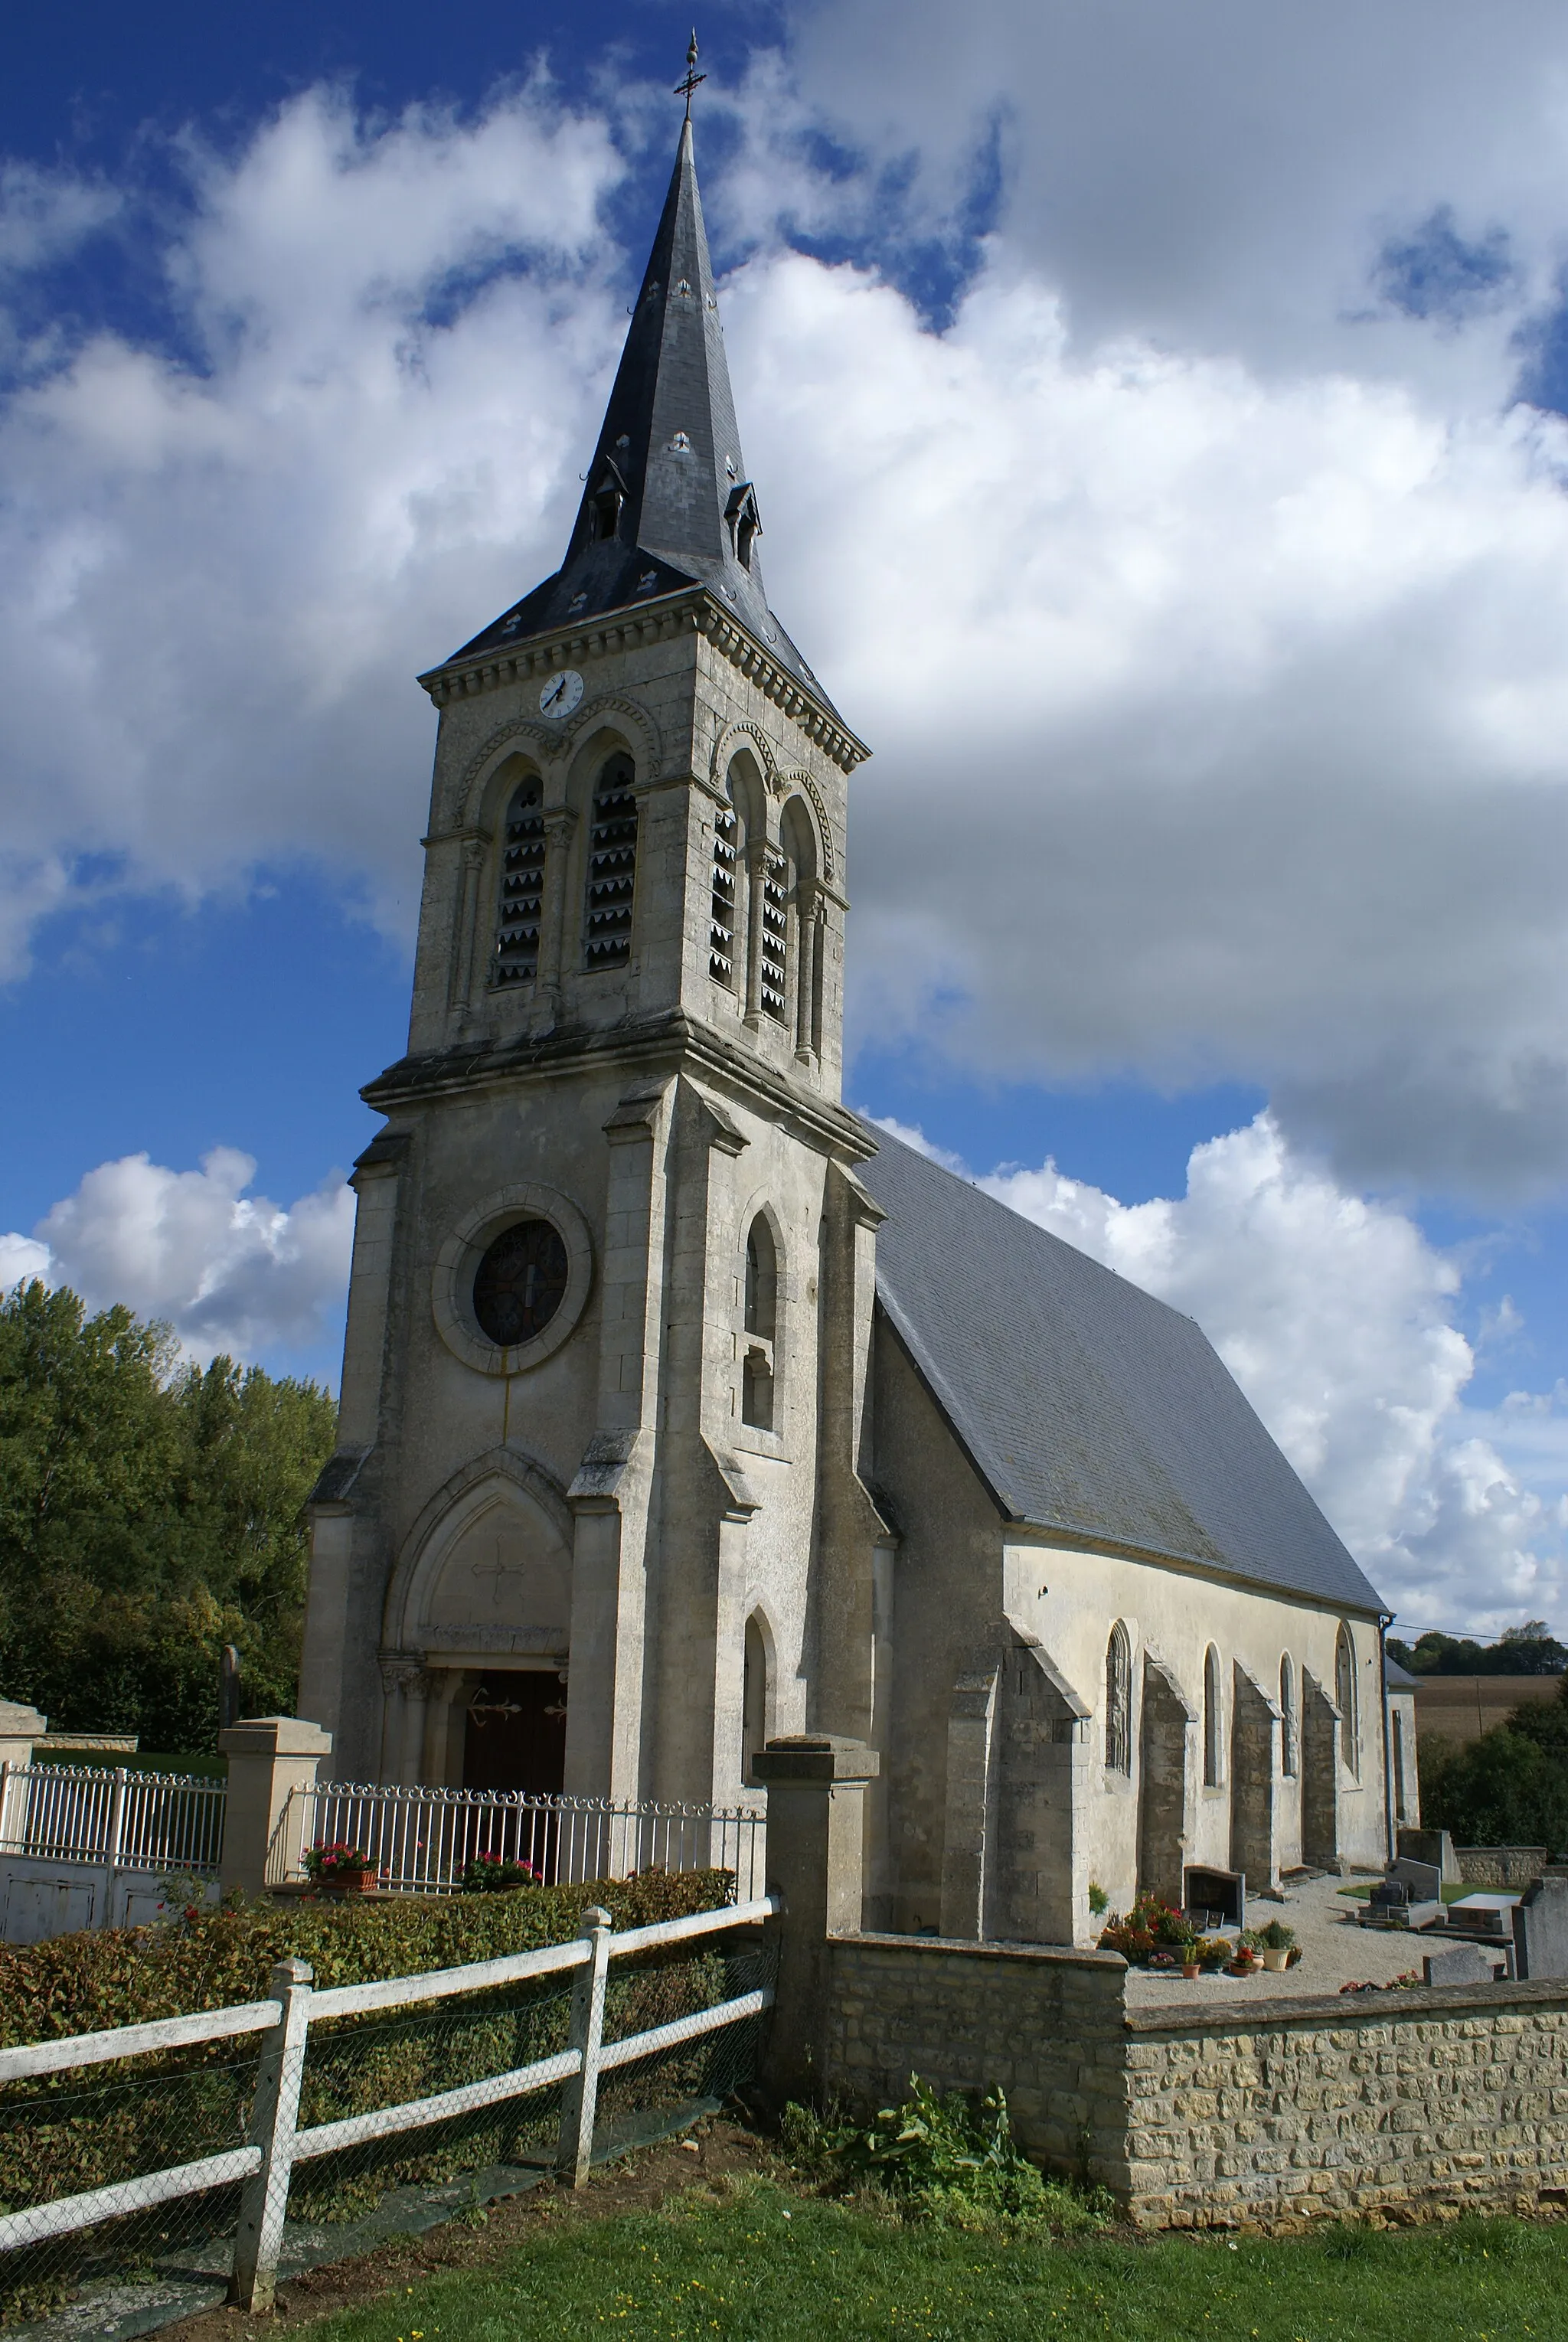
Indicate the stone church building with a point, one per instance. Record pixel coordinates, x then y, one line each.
681 1409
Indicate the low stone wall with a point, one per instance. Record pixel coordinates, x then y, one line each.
1506 1868
1049 2026
1382 2102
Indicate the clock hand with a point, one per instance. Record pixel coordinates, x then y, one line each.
549 695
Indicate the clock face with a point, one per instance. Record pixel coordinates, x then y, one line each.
561 693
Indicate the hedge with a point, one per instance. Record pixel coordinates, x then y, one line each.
108 1976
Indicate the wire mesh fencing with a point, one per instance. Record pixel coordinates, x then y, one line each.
462 2091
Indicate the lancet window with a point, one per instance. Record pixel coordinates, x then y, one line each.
1288 1727
1345 1700
1119 1701
1214 1726
773 940
611 867
759 1321
521 887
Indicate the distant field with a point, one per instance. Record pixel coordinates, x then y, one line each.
1462 1707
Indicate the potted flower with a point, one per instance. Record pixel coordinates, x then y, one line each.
1277 1943
1245 1962
341 1869
492 1874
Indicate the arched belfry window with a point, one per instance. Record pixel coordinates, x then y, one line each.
521 886
604 506
1288 1727
774 939
805 926
1119 1701
759 1321
1214 1719
611 867
1345 1700
725 913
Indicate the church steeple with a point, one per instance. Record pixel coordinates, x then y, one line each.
667 502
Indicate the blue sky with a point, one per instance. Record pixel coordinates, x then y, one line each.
1160 452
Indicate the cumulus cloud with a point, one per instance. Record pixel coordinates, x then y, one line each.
1216 674
1337 1317
228 1271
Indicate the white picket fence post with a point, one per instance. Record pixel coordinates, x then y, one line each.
580 2099
265 2204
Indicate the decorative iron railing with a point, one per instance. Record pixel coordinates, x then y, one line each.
128 1820
420 1841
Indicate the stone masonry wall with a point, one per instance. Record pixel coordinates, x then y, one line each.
1506 1868
1385 2102
1048 2026
1399 2103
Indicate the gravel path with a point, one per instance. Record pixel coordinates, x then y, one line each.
1335 1951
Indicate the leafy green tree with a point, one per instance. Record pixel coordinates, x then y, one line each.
150 1512
1509 1788
1527 1650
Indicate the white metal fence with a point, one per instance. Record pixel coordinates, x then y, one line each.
276 2145
421 1841
124 1819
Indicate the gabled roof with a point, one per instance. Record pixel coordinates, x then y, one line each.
670 433
1087 1407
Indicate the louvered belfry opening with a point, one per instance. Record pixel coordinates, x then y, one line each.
611 867
722 918
521 887
774 939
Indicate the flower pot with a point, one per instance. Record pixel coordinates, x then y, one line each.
1192 1967
1240 1968
1277 1962
350 1882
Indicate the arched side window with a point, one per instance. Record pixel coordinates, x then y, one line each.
724 914
611 867
1287 1717
754 1695
1119 1701
1214 1721
521 886
759 1321
1345 1700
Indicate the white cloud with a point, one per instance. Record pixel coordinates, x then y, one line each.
1337 1318
1215 672
228 1271
45 214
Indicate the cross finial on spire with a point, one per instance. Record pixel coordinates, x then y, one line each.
684 88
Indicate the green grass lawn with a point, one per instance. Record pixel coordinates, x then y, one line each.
789 2267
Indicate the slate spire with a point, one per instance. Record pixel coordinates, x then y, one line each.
667 499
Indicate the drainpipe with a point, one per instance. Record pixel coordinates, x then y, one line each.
1384 1621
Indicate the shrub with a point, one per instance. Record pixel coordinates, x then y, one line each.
107 1977
946 2159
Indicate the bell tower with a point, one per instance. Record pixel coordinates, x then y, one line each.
583 1445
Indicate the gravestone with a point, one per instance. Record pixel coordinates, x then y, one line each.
1461 1964
1222 1892
1423 1881
1540 1926
1434 1846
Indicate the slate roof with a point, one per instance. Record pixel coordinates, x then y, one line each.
1086 1405
670 443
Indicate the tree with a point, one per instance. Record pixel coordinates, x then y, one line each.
1509 1788
149 1513
1527 1650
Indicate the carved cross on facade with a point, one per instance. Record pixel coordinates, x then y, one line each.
497 1572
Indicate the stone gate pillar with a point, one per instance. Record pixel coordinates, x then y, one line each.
816 1820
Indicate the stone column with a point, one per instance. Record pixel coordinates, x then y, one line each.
416 1694
465 941
817 1799
269 1757
560 821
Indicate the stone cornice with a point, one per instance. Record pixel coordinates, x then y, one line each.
672 1041
693 610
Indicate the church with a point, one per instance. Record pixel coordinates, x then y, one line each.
681 1409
